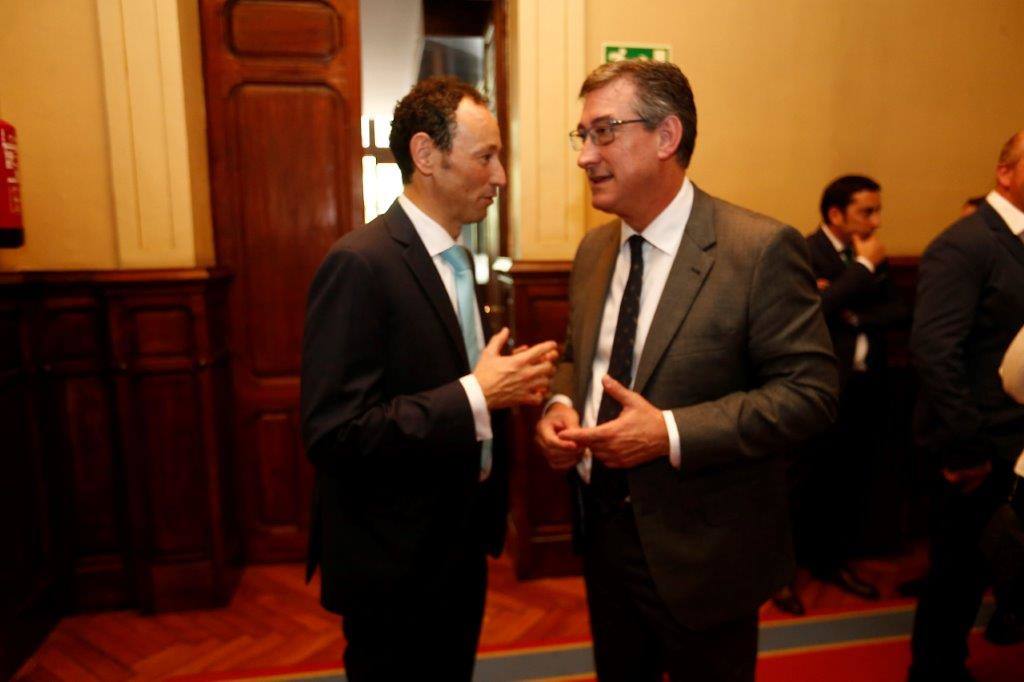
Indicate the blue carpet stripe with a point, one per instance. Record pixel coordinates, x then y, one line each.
778 636
775 637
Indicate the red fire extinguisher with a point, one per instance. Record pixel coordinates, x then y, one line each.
12 231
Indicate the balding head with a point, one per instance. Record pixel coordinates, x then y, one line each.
1010 171
1013 150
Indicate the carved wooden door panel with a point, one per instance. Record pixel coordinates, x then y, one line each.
283 104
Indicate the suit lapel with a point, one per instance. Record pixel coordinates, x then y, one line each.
595 288
689 270
423 269
820 242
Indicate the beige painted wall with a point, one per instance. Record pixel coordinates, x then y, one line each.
107 97
791 93
51 89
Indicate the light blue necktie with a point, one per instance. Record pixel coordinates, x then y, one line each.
456 257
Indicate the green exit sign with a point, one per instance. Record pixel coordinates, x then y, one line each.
614 52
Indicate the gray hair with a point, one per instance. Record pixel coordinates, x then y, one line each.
661 91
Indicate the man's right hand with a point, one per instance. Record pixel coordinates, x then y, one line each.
518 379
869 247
561 454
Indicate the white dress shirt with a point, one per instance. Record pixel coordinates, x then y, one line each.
1012 369
1013 216
437 240
860 349
661 242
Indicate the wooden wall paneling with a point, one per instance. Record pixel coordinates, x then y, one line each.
540 515
115 406
283 102
168 357
901 477
31 575
79 431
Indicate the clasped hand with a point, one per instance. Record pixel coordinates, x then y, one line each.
636 436
521 378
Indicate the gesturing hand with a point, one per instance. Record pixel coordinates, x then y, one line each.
869 247
636 436
518 379
561 454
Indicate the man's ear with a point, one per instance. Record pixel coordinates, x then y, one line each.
1004 175
423 152
670 136
835 216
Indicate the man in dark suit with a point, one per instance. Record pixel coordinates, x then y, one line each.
397 394
860 305
970 304
696 356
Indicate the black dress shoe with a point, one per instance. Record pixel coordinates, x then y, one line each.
786 599
847 580
1004 627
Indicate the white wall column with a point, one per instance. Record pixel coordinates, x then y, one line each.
156 123
546 202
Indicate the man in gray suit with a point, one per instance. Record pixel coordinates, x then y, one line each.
696 358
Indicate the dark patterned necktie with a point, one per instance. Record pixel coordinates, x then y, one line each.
611 484
847 255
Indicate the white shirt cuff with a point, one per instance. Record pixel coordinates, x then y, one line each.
866 263
478 403
557 398
674 455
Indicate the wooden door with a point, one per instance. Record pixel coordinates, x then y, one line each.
283 104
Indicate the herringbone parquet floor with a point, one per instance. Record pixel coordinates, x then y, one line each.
275 620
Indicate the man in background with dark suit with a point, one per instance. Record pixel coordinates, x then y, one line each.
398 390
833 477
695 358
970 304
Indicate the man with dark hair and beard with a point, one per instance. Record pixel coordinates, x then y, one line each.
860 305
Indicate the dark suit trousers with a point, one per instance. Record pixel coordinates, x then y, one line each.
957 575
431 633
832 479
635 636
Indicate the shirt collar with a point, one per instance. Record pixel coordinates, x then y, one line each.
666 230
837 243
435 238
1013 216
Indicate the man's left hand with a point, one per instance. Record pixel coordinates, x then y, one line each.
636 436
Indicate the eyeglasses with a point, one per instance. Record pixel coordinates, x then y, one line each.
600 133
